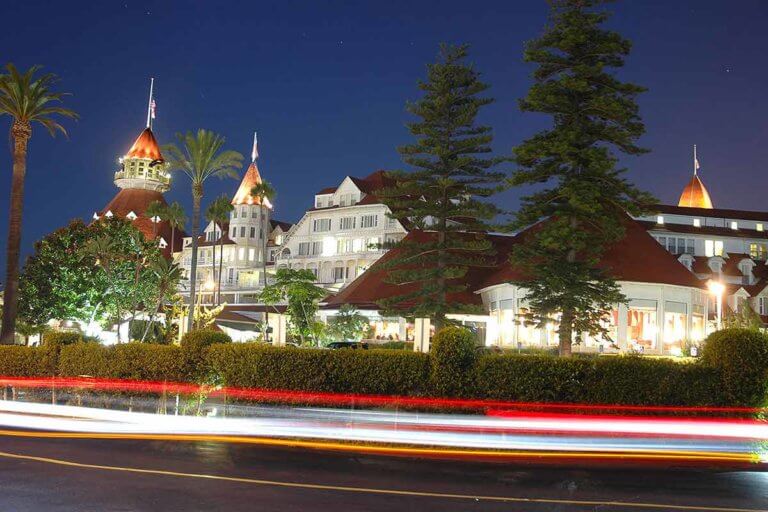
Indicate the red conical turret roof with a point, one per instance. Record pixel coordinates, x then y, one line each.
250 180
145 147
695 195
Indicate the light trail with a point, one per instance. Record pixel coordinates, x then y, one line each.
498 434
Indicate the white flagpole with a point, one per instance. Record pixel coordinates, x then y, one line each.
149 105
255 151
695 162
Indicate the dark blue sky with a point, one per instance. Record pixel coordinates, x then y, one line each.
325 83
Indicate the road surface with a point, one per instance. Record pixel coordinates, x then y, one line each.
53 474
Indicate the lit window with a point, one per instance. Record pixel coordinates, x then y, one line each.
697 223
713 248
241 253
734 224
759 226
659 219
251 254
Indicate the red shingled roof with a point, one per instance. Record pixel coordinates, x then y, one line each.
250 180
637 257
137 200
145 147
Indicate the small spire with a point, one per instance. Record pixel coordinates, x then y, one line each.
255 151
695 162
151 103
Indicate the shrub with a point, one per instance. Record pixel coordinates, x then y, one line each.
395 345
61 338
21 361
138 361
627 380
341 371
194 350
453 360
742 356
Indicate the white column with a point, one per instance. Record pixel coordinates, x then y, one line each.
621 331
421 335
279 324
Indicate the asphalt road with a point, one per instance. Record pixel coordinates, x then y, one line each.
137 475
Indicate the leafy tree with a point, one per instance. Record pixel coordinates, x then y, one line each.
348 324
297 289
584 195
218 213
174 214
27 98
66 277
743 318
201 157
451 175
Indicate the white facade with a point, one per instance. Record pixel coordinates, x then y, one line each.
341 236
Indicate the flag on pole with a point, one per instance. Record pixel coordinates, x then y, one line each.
255 151
152 107
696 165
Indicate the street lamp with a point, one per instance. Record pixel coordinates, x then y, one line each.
717 289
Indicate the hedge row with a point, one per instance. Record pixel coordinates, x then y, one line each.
733 372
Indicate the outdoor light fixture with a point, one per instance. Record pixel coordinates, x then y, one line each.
717 289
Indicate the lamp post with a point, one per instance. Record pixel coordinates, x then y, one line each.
717 289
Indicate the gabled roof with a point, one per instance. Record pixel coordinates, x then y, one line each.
285 226
368 185
250 180
145 147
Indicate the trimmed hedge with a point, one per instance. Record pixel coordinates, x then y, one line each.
606 380
61 338
732 372
138 361
342 371
21 361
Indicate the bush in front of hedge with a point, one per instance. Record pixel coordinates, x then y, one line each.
742 357
453 361
383 372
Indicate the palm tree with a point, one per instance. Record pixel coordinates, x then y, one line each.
155 211
265 193
218 213
201 158
168 277
174 214
27 99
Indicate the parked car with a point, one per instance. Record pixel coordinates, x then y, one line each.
334 345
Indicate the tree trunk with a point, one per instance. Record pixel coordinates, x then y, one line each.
265 237
213 265
173 235
439 319
21 132
565 332
221 262
197 195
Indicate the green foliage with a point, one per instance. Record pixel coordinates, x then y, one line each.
603 380
297 288
584 195
450 178
742 356
453 359
61 338
136 361
194 350
396 345
204 338
744 318
86 273
19 361
340 371
146 331
348 324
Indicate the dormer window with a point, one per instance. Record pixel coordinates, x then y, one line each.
131 216
108 214
687 261
697 223
96 216
716 265
163 244
660 220
734 225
